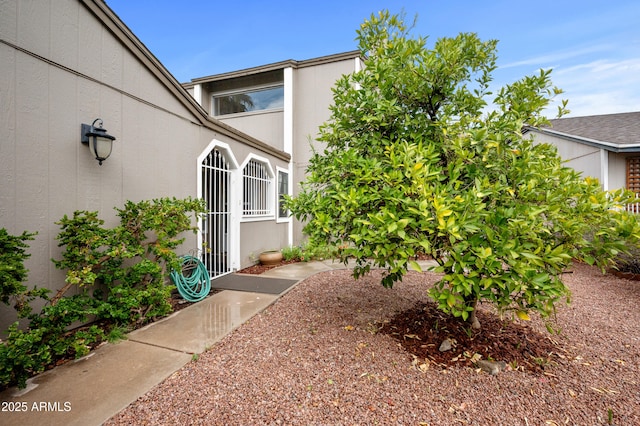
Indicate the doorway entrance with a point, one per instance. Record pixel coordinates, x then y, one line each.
216 224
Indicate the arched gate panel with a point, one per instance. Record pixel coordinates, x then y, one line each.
216 224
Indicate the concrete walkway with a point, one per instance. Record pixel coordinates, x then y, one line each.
92 389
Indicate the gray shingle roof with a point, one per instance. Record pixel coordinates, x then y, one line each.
620 129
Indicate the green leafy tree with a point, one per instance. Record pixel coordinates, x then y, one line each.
417 161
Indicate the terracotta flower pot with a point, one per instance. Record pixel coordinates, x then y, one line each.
271 257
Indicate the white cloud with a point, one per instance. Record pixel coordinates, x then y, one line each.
556 57
593 86
600 87
604 69
602 103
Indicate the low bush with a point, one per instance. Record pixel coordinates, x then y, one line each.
628 262
295 253
117 278
307 252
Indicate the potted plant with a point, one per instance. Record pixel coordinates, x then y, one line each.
270 257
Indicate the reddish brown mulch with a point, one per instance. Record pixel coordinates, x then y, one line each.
178 303
626 275
423 328
259 268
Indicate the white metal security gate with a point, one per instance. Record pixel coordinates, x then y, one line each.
216 191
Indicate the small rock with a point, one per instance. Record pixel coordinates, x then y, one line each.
445 345
492 367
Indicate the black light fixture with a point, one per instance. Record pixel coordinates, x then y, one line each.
100 142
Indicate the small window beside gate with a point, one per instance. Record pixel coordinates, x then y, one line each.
257 182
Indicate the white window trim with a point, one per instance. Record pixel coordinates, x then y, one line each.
283 170
604 169
288 111
197 93
270 196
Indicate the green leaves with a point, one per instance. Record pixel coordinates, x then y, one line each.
414 165
130 262
12 256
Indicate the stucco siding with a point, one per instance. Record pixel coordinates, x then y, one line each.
617 171
583 158
267 126
312 99
61 66
256 238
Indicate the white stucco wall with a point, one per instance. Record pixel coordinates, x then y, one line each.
268 126
312 98
61 67
588 160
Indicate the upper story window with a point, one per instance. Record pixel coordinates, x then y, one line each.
255 99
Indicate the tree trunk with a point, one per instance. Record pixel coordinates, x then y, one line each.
473 318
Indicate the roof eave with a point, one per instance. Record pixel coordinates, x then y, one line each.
290 63
129 39
608 146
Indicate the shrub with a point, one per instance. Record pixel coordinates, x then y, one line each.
126 266
23 354
628 262
119 277
421 158
292 253
12 272
309 251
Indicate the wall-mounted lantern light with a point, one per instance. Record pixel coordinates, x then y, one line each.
100 142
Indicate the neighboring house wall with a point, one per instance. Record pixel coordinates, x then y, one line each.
617 166
604 146
610 168
586 159
67 62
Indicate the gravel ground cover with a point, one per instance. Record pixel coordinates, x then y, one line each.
332 351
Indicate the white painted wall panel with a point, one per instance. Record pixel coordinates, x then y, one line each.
9 20
7 137
64 42
34 26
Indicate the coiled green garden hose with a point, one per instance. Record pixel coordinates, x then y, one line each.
193 281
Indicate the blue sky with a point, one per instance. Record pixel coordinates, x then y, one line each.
592 46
